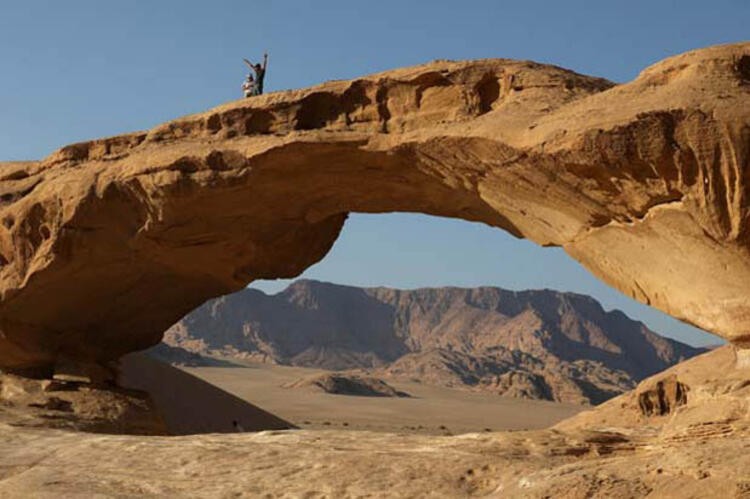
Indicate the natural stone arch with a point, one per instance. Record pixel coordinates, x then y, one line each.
105 244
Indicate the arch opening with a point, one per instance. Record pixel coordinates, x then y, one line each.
406 298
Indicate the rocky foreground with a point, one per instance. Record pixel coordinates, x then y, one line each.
657 441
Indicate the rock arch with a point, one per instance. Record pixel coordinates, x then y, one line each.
106 243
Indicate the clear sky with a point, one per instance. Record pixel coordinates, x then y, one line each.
77 69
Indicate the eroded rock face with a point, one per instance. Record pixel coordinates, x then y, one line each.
76 406
105 244
663 397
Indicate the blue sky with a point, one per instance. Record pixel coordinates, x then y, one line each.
80 69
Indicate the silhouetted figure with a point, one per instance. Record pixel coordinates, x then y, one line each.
260 72
237 427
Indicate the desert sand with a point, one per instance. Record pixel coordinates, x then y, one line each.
189 405
430 409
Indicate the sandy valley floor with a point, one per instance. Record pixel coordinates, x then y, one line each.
430 410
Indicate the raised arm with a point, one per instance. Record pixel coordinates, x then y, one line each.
250 64
265 61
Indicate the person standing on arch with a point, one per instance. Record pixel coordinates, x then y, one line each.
260 73
249 87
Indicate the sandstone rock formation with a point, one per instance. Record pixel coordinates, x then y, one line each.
702 401
79 407
697 451
104 244
539 344
663 397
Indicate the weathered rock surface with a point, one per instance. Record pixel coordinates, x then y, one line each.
708 394
105 244
75 406
699 450
538 344
665 396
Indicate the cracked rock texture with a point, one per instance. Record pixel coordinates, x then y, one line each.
698 449
105 244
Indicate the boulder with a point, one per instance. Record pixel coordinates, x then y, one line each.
663 397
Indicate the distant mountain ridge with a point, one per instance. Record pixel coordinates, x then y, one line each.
539 344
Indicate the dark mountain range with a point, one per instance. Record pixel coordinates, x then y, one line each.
538 344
